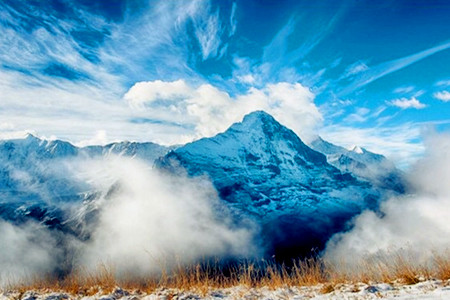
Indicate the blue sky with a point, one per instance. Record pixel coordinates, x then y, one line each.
372 73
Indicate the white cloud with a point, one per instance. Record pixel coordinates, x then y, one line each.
405 103
100 138
154 221
151 91
247 79
210 110
443 96
208 35
13 134
6 126
26 251
76 112
160 220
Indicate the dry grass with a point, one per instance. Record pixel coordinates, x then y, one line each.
327 288
392 267
443 267
202 278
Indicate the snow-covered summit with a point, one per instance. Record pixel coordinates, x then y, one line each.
264 170
259 159
357 149
362 163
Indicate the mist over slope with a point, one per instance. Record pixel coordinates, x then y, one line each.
416 223
255 190
140 221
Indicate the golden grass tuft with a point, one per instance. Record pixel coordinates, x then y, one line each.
327 288
202 278
442 264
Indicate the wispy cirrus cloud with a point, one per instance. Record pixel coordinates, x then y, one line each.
278 60
233 20
404 89
152 43
360 115
375 72
49 48
355 68
208 30
53 83
66 74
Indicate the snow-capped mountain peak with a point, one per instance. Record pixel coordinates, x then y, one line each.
357 149
258 161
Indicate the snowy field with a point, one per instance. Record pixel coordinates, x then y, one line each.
431 289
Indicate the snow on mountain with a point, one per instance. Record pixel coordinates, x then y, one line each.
37 178
363 164
357 149
261 169
264 170
260 165
28 174
145 151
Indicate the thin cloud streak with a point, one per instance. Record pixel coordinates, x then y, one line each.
389 67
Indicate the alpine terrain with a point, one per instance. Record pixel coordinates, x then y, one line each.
262 171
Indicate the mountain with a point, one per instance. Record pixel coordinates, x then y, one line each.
265 171
28 174
258 164
146 151
363 164
297 196
38 181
